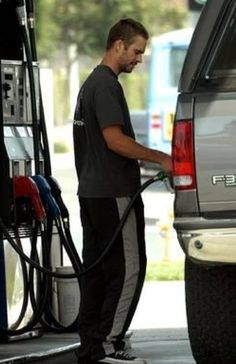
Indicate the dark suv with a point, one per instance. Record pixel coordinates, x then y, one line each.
204 177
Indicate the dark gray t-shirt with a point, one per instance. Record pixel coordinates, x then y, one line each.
101 172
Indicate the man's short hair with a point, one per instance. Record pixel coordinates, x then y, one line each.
126 30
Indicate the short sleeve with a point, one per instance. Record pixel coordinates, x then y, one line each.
108 107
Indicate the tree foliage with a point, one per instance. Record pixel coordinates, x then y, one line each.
86 23
61 24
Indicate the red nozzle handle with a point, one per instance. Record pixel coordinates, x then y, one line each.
26 187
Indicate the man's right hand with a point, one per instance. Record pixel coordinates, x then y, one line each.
166 163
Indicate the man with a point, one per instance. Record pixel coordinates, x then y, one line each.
106 158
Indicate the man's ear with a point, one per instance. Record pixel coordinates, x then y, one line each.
119 45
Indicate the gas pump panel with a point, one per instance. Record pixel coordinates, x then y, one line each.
16 127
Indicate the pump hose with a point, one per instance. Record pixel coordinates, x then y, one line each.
36 135
42 124
34 320
30 17
24 305
161 176
77 266
34 58
40 304
43 287
48 312
28 283
31 56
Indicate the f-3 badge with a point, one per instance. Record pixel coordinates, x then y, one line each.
229 180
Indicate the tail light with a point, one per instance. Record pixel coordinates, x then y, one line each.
184 177
155 121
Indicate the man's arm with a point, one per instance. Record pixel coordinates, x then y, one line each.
121 144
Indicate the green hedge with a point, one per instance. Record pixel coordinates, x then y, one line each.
134 85
165 271
135 89
60 147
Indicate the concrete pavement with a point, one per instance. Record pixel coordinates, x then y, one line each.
162 305
157 346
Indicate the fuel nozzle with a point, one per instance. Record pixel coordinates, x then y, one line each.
26 187
167 179
45 191
161 176
56 192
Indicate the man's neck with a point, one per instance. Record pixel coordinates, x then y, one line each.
110 62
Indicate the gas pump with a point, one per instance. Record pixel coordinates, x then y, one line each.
17 156
24 153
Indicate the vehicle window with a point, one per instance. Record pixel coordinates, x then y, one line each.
177 56
225 60
219 70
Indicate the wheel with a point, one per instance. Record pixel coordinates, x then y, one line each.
211 312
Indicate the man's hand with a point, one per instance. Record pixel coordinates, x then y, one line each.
123 145
166 163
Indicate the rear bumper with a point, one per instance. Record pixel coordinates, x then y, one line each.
208 241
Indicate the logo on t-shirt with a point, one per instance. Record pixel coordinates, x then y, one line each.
78 117
78 122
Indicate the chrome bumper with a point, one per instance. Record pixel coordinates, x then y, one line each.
208 241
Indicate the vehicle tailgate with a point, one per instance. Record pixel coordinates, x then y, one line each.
215 151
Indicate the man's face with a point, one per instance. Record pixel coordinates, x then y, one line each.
130 56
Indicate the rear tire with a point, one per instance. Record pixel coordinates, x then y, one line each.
211 312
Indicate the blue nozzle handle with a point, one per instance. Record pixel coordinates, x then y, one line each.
48 200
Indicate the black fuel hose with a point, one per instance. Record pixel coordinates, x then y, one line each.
42 291
42 123
35 126
35 319
161 176
48 319
28 284
24 305
31 23
64 213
